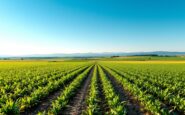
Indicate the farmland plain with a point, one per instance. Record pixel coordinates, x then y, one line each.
92 87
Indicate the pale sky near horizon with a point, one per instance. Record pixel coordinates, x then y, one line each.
79 26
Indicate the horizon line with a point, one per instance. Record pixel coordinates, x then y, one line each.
18 55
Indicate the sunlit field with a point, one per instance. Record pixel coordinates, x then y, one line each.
92 87
92 57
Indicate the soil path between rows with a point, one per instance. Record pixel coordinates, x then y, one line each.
78 103
132 105
165 105
46 103
104 108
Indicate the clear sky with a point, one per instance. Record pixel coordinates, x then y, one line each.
71 26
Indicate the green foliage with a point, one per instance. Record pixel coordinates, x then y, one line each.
10 108
115 105
93 99
159 87
34 82
67 93
154 87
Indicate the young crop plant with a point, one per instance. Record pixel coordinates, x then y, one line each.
162 94
93 99
32 100
17 87
115 105
169 94
149 101
67 93
25 84
10 108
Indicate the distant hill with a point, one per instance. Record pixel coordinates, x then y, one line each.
104 54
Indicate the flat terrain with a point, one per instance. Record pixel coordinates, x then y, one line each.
92 87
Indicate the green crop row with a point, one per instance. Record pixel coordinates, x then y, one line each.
115 105
159 75
14 107
163 82
93 106
149 101
22 90
66 94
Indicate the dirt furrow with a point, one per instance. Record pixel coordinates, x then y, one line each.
45 103
103 104
77 104
132 105
164 104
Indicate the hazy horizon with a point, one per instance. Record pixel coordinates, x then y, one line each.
169 53
76 26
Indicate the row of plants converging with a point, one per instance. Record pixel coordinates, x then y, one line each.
158 88
156 74
152 97
19 86
116 107
163 95
149 101
93 99
22 89
166 94
17 77
42 86
175 78
10 106
66 94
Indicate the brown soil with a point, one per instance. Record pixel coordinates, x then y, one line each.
44 105
132 105
165 105
77 104
46 102
103 104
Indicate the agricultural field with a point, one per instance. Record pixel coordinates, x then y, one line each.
92 87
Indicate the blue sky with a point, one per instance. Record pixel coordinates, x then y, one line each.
71 26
